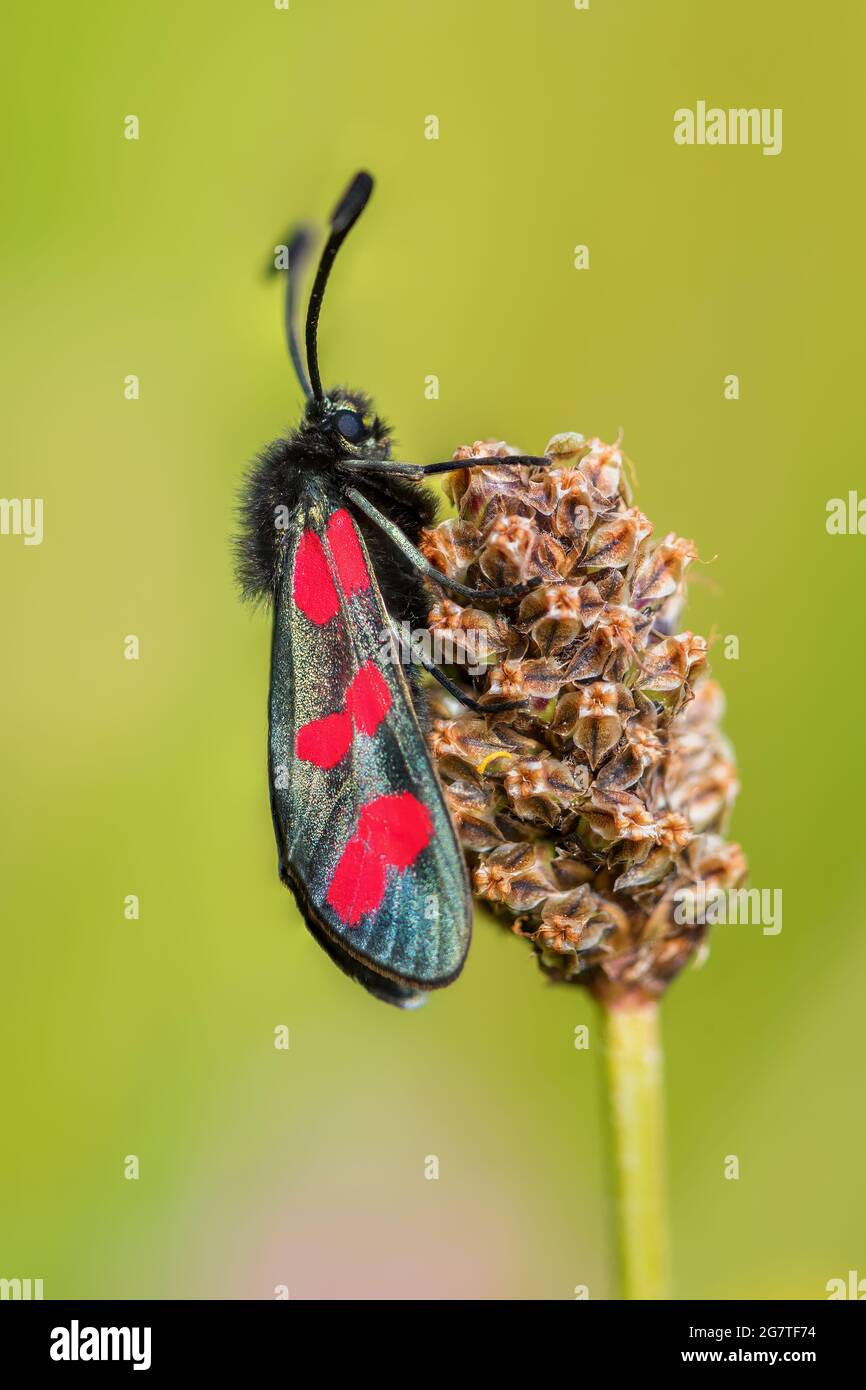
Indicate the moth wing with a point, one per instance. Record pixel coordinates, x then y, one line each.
363 832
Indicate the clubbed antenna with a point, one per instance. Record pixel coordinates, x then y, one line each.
297 245
343 219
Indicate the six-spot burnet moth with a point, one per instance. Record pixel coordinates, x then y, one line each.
329 531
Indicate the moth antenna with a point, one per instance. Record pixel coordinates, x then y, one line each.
343 219
297 245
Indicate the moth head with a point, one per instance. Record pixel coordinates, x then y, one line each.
353 426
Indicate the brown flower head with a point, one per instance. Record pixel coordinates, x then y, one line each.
586 810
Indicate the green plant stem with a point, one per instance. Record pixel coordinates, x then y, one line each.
634 1077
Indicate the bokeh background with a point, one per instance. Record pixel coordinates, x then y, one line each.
155 1037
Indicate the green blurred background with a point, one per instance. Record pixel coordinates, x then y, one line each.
155 1037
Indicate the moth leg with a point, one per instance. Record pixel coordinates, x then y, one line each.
495 707
510 461
426 470
451 686
416 559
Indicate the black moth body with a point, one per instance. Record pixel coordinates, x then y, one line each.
329 531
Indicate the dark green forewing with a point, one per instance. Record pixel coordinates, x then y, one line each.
363 833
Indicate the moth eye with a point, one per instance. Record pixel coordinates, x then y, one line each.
350 425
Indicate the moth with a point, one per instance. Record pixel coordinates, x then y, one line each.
329 533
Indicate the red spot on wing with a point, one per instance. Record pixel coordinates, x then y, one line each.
396 827
348 555
325 741
368 699
392 831
314 590
358 885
